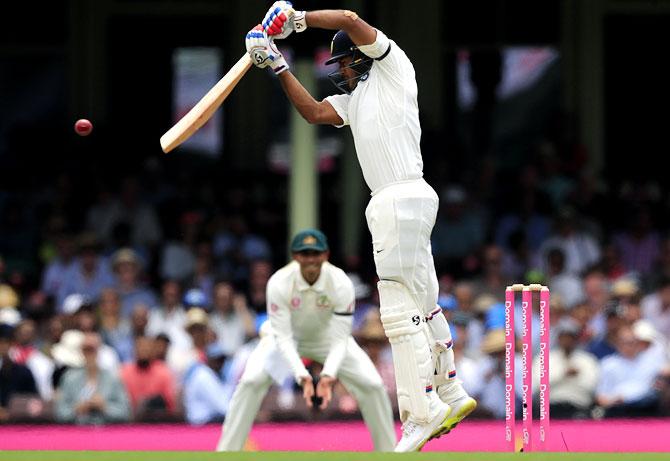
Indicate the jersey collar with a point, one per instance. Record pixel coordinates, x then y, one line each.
319 285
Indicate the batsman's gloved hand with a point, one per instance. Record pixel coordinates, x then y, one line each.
281 19
263 51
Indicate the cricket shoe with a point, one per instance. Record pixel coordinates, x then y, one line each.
459 410
415 434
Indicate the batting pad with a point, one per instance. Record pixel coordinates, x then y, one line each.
405 327
445 367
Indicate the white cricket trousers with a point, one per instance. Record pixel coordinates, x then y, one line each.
401 217
357 373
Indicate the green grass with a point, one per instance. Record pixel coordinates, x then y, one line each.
317 456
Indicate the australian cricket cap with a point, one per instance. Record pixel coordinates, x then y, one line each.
309 239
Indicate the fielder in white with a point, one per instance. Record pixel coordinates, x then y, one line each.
310 305
380 105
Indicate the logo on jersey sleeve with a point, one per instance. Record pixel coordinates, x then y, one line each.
273 308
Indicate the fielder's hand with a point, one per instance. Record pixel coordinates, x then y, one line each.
281 19
307 390
324 389
263 51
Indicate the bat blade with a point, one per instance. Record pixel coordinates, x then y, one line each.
205 108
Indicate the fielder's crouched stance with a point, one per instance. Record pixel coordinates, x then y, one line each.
310 304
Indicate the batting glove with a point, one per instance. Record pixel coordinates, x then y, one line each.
263 51
281 19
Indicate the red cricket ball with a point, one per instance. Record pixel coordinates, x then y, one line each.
83 127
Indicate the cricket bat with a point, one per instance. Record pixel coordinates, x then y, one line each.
205 108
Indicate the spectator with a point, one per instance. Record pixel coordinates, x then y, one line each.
67 354
149 383
83 319
231 320
53 331
661 270
53 276
561 282
638 245
178 255
79 313
197 326
604 344
9 298
139 321
611 262
170 316
626 292
15 379
115 330
203 274
469 364
91 395
654 344
235 246
526 219
89 274
26 353
559 312
259 274
554 182
581 249
656 308
129 208
493 280
465 302
663 386
128 267
18 233
517 256
195 297
493 373
573 374
206 397
459 230
161 347
590 200
626 385
597 294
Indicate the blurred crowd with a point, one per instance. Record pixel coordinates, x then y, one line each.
142 303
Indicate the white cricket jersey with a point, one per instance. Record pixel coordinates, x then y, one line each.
308 318
383 113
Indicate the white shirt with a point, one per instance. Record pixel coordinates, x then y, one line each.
309 319
631 379
229 329
171 323
581 250
383 113
654 311
578 389
205 396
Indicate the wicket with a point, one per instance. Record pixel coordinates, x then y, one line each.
526 365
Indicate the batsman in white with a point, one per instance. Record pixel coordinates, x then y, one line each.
380 105
310 305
